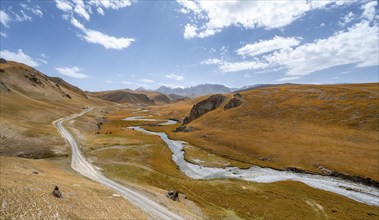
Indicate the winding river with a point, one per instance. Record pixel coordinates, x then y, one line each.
356 191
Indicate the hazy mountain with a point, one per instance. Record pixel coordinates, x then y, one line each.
194 91
140 89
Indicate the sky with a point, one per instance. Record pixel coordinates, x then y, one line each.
114 44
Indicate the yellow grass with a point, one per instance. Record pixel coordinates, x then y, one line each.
293 126
25 195
144 159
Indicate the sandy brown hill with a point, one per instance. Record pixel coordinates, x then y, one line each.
133 97
157 97
161 99
29 102
310 127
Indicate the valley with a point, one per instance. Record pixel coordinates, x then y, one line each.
189 109
327 130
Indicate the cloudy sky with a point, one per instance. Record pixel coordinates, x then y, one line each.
110 44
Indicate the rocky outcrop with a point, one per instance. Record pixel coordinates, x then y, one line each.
203 107
2 60
234 102
173 194
35 80
184 128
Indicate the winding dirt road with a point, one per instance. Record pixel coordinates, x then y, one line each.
82 166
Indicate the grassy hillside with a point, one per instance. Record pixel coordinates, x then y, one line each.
29 102
302 126
130 156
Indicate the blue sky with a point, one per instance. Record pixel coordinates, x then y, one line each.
112 44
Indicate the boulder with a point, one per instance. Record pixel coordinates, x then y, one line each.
173 194
203 107
57 193
2 60
233 102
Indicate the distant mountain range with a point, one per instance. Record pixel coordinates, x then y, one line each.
206 89
194 91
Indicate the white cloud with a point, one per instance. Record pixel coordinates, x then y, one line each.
100 11
189 31
240 66
35 10
96 37
126 83
3 34
289 78
44 56
74 72
342 48
147 80
42 60
217 15
262 47
77 24
347 19
4 18
20 57
84 8
63 5
211 61
22 17
65 17
174 76
226 66
113 4
369 10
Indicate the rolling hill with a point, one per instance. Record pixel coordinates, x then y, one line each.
134 97
315 128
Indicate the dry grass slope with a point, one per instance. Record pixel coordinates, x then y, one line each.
26 193
303 126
